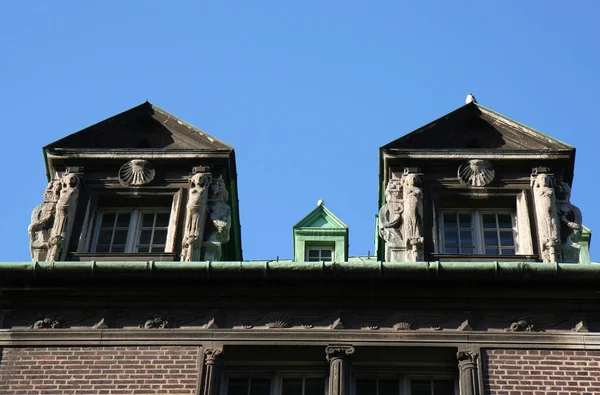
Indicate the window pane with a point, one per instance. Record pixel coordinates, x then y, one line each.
104 237
162 220
120 237
504 221
314 386
464 220
491 238
147 220
366 387
325 253
291 387
420 387
160 237
388 387
508 251
467 250
123 220
102 248
143 249
450 221
466 238
145 236
451 237
260 386
118 248
108 220
451 250
489 221
443 387
237 386
491 251
313 254
507 239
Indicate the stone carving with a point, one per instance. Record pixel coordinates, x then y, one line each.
570 222
337 324
136 172
195 216
338 351
219 214
412 227
468 377
64 217
42 220
339 368
278 320
546 216
476 173
46 323
403 322
520 326
155 323
390 215
211 376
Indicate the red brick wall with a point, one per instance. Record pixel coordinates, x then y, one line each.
541 372
99 370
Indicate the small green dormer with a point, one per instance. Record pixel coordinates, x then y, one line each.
320 236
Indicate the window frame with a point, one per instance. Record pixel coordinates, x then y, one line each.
477 227
276 376
135 224
403 376
320 248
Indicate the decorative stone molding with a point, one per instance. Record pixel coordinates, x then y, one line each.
277 320
195 216
476 173
546 216
468 377
155 323
136 172
403 322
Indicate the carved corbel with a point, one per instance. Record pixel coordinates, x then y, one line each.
339 375
195 214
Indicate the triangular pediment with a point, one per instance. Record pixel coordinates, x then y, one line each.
143 127
473 126
322 218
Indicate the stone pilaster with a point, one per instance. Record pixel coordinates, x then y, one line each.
468 377
211 372
339 368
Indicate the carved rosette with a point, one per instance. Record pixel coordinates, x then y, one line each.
476 173
136 172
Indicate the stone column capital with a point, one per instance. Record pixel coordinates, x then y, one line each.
338 351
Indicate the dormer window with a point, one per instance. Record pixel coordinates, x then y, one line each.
319 254
478 232
131 231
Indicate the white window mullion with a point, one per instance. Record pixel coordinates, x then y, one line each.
133 234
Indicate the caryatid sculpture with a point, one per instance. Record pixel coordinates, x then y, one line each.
66 206
220 217
570 222
42 220
195 216
390 215
546 217
412 226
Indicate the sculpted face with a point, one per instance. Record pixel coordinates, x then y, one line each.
198 182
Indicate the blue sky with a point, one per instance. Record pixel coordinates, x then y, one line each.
306 91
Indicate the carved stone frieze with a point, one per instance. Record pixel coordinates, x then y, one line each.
136 172
476 173
521 326
546 216
195 216
278 320
403 322
155 323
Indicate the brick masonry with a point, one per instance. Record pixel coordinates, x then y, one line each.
541 372
99 370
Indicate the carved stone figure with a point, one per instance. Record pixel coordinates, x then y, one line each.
64 217
390 215
570 222
412 226
220 217
42 220
195 216
546 217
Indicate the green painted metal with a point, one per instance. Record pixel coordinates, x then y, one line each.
440 271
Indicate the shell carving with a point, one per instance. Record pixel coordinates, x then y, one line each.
476 173
136 172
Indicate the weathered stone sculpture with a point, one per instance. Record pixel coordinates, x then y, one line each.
412 226
42 220
195 216
220 217
66 207
570 222
390 217
546 217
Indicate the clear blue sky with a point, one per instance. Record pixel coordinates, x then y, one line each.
305 91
